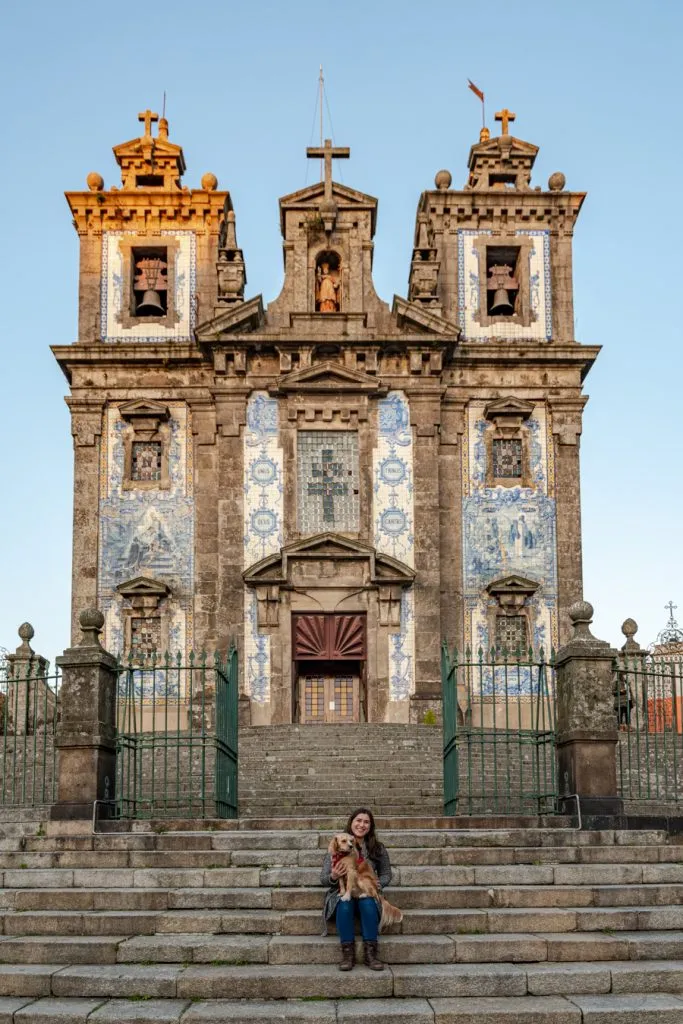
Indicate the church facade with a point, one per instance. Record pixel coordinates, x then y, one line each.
336 483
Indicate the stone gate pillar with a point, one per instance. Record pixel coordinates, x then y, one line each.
86 733
586 724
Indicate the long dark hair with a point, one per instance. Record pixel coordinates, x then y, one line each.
375 848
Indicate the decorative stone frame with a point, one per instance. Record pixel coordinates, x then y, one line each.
127 244
524 316
315 255
145 421
507 417
510 596
144 598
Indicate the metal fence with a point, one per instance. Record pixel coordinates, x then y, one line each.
648 705
499 733
176 747
29 711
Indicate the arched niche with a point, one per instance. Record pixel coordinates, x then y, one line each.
328 282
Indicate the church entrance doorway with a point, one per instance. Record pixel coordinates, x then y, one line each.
329 667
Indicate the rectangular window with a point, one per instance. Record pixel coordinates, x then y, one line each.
149 291
507 457
511 634
145 637
145 460
327 481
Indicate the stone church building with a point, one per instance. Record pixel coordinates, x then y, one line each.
334 482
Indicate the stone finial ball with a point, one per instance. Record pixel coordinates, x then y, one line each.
442 180
95 182
581 611
557 181
26 631
629 628
209 182
91 618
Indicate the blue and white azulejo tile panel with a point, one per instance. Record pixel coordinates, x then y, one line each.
509 530
469 290
111 295
263 527
147 532
393 518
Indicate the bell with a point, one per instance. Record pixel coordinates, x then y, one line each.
501 305
151 304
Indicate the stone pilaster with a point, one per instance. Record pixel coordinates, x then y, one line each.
425 415
86 428
86 734
206 627
566 421
586 724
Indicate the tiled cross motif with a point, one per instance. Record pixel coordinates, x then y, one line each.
326 484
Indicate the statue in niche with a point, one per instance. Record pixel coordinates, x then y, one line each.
327 284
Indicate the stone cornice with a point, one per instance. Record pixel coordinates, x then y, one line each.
477 354
106 354
146 211
494 208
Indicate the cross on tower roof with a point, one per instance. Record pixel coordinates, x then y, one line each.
328 151
671 606
505 116
147 116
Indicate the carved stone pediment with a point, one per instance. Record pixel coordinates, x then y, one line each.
239 318
311 197
328 377
508 414
385 573
512 591
143 591
142 408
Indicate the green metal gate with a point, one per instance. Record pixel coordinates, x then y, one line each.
176 746
499 733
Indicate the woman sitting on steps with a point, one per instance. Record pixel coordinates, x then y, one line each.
361 825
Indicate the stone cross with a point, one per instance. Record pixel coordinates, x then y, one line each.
671 606
505 116
328 151
328 487
147 116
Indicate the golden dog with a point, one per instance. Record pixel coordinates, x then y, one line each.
357 877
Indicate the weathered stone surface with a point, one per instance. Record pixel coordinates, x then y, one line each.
468 980
294 981
135 1011
527 1010
564 979
57 1011
9 1006
294 1011
630 1009
26 979
385 1011
117 981
653 976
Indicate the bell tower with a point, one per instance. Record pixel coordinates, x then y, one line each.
498 252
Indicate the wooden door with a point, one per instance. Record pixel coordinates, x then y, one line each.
328 694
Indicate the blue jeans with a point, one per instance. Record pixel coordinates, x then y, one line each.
369 919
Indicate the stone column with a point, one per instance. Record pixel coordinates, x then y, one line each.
86 734
586 725
27 702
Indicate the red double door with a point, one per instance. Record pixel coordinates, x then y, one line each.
329 667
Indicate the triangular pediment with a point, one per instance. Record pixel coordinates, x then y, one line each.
513 584
143 407
414 316
328 377
143 586
330 546
508 407
238 318
140 146
517 147
311 197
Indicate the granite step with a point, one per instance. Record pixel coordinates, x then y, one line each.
82 922
324 981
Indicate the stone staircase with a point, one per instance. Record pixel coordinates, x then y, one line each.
515 926
329 770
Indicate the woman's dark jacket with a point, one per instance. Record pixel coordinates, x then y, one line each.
382 867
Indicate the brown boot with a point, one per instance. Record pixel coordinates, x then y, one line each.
371 960
348 951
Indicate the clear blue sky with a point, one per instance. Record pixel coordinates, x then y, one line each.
594 84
